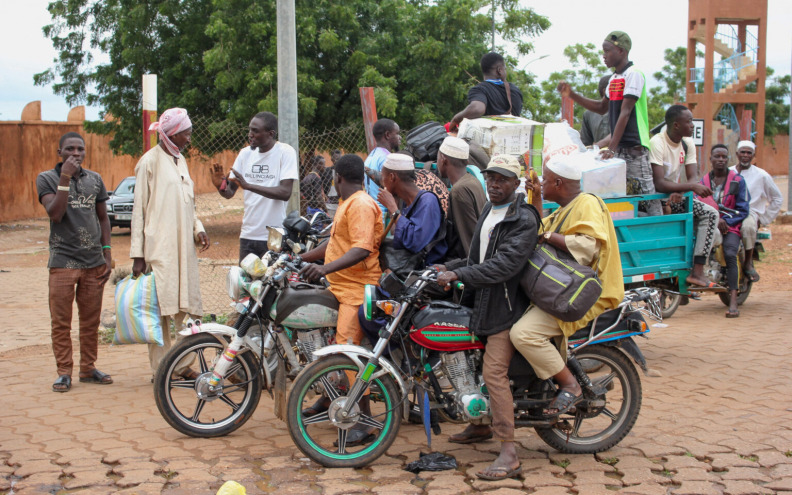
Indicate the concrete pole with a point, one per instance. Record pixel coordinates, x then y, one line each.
288 129
149 110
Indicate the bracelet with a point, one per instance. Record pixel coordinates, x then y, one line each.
106 247
63 188
67 175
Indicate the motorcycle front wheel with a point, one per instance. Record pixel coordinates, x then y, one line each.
598 425
323 437
183 396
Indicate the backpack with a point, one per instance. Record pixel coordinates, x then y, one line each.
423 142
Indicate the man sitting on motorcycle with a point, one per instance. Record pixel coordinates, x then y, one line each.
503 240
351 260
729 190
585 230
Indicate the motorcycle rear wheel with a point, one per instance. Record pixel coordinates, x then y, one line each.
669 303
188 406
593 430
315 435
742 294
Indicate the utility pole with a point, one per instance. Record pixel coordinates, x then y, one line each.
493 26
288 129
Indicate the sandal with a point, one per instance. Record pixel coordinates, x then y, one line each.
733 314
321 405
97 377
710 286
62 384
563 402
500 469
466 438
753 275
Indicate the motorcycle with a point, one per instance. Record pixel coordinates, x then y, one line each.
210 382
441 359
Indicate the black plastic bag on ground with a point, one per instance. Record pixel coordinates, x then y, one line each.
434 461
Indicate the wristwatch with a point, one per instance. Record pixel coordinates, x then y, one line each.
547 236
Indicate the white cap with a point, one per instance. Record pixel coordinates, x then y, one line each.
570 166
455 148
398 161
746 144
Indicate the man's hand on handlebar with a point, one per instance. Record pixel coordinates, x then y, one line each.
312 272
445 278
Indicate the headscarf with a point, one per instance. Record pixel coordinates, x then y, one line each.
172 121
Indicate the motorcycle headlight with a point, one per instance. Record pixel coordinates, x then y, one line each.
369 299
236 282
274 239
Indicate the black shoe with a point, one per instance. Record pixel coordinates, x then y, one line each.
321 405
358 435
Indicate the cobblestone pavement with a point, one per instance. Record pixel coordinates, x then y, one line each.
717 420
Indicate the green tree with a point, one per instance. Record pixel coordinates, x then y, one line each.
218 58
587 69
672 87
777 106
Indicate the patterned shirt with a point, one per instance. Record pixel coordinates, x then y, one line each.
75 241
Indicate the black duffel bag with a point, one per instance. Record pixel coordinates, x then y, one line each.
423 142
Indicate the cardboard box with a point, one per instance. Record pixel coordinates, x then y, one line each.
506 135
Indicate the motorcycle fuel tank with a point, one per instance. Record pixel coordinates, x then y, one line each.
444 326
305 307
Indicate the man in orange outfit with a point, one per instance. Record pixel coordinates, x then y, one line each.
351 259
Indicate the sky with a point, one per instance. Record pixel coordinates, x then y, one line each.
653 26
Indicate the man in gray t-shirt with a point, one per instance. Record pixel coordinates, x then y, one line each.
80 259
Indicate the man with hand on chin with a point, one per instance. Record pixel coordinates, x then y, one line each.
503 240
265 171
80 261
165 229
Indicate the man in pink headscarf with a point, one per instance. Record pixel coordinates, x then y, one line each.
165 229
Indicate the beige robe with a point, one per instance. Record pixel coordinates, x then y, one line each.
165 229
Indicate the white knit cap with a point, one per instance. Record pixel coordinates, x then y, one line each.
398 161
746 144
455 148
570 166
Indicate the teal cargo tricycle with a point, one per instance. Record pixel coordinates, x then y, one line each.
657 251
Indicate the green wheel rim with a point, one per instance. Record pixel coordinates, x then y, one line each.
369 448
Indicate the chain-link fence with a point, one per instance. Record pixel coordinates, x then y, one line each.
219 142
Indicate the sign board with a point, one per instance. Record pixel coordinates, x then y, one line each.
698 131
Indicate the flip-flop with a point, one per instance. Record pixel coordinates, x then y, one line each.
500 469
62 384
97 377
753 274
563 402
733 314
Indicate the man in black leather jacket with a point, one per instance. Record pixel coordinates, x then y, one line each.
504 238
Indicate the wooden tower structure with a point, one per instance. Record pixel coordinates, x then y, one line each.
733 34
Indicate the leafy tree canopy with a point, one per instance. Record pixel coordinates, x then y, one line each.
218 58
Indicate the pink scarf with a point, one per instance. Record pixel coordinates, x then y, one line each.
172 121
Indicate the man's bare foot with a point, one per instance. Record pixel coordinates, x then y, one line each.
507 465
472 434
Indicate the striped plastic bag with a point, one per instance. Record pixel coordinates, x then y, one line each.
137 311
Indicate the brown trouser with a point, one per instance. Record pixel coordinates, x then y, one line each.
64 285
497 356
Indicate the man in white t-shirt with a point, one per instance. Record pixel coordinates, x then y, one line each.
265 170
669 151
766 201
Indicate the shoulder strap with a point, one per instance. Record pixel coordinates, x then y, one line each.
415 202
685 147
508 94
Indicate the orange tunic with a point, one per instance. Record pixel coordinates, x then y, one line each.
358 223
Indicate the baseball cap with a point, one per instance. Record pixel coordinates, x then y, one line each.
505 165
620 39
